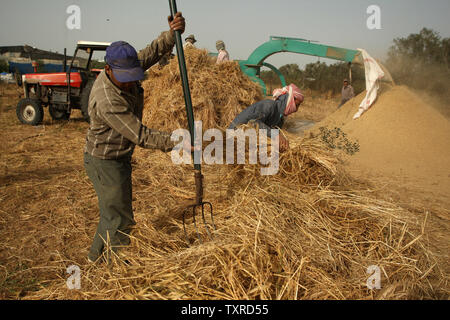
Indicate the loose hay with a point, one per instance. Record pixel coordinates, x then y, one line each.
219 92
297 235
309 232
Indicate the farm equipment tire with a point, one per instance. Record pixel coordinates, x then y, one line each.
84 99
30 111
58 114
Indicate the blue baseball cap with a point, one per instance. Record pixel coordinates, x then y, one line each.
124 62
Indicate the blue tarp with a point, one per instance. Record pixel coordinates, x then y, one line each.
23 68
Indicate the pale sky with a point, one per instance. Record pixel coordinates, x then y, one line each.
242 24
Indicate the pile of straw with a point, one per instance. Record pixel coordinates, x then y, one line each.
309 232
218 92
305 233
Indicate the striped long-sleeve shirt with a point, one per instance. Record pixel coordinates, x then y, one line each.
116 115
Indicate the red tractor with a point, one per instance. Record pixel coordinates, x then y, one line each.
62 91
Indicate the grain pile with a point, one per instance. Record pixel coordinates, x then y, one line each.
218 92
400 136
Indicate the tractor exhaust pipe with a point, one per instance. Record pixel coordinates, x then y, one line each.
65 60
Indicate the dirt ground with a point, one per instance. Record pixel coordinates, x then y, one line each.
39 169
42 176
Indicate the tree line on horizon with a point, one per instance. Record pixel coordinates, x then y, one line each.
421 61
318 77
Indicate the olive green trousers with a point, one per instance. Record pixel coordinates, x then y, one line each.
112 184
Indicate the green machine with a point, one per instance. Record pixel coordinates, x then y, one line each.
252 66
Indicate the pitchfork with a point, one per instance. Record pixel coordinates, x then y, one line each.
199 203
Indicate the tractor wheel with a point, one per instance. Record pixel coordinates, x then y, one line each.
58 114
84 99
30 111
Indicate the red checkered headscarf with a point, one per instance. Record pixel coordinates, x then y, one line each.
294 92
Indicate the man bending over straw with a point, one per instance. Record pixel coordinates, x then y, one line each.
270 114
115 109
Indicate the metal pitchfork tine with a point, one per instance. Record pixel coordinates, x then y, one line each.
190 117
199 203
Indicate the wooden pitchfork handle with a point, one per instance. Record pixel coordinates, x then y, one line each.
198 187
188 102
